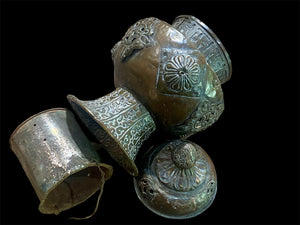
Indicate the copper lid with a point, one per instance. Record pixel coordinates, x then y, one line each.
178 180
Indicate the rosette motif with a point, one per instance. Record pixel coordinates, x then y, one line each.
181 167
182 73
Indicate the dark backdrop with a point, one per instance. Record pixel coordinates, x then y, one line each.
51 49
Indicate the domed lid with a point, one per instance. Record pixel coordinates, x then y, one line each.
178 180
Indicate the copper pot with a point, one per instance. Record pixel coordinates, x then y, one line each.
173 70
163 80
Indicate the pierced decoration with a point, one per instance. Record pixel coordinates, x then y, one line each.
147 188
171 72
177 180
138 36
206 114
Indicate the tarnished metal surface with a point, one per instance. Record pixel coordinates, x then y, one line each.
58 159
119 122
168 73
207 42
178 180
167 77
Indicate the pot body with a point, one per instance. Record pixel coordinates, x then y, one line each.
169 75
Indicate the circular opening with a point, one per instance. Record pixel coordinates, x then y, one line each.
89 120
226 67
109 142
74 190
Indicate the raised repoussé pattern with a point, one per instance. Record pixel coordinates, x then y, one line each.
208 43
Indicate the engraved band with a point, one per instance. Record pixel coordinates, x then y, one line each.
207 42
119 122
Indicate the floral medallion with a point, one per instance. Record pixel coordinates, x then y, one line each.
181 73
176 180
181 166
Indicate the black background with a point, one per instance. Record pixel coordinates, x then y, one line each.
51 49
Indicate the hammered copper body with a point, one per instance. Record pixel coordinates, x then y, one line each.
169 74
161 76
58 159
177 180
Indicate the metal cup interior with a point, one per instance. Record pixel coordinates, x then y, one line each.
58 159
73 190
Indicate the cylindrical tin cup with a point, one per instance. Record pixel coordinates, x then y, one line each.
207 42
119 121
58 159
